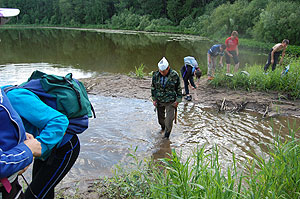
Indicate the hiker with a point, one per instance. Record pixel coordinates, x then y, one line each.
59 149
213 52
17 150
188 71
232 51
166 95
274 54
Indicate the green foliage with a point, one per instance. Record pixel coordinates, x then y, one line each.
293 50
288 84
269 21
139 72
125 20
200 24
159 24
202 176
278 176
280 20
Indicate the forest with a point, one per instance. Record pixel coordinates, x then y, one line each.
262 20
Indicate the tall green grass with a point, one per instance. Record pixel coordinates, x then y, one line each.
202 176
139 71
288 85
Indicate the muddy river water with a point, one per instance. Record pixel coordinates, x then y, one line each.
125 123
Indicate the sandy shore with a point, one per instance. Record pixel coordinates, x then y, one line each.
269 104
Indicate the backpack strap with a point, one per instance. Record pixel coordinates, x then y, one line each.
93 110
184 71
76 91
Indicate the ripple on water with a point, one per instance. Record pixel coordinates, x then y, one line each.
123 124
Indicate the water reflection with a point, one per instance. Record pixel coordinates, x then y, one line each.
162 150
19 73
105 52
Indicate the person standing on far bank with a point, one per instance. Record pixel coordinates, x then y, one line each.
166 95
275 53
232 51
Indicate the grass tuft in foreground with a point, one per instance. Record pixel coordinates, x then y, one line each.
202 176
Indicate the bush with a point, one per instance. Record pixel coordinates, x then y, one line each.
125 20
279 21
187 22
200 25
145 21
157 24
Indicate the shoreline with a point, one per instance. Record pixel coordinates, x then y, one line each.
120 85
269 104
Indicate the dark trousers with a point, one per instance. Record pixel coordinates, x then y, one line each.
15 192
276 56
47 174
235 57
186 84
166 115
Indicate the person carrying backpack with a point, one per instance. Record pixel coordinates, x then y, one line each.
17 149
188 71
53 129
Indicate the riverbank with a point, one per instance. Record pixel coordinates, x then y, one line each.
120 85
268 104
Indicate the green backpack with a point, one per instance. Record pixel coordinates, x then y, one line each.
65 94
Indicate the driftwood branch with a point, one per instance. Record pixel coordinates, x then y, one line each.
266 112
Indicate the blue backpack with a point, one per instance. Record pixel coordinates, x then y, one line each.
11 126
191 61
65 94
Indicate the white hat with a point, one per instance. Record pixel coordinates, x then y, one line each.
163 64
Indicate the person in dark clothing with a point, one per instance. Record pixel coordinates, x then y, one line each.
188 72
275 53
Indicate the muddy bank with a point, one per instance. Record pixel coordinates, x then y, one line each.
269 104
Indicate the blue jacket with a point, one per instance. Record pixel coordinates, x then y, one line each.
215 50
14 154
46 124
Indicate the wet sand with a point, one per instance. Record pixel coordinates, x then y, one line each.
269 104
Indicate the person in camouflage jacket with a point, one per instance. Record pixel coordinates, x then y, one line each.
166 95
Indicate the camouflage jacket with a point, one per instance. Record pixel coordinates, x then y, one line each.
170 91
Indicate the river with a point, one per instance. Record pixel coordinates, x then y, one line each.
124 123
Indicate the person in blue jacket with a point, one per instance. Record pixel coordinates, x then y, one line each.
59 150
17 149
213 52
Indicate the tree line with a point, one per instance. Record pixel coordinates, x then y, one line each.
262 20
